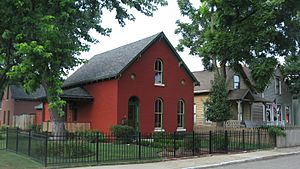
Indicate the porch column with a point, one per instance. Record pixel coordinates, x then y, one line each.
240 111
264 112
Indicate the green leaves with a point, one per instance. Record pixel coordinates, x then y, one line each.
240 32
218 107
40 40
262 69
291 72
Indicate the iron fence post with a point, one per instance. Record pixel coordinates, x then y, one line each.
243 139
17 140
226 141
210 142
46 150
97 147
174 143
140 147
29 143
258 138
193 143
6 146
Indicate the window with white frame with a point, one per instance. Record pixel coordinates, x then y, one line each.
268 112
277 85
279 112
205 107
287 114
158 114
180 114
159 72
236 82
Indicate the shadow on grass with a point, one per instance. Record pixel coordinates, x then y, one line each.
10 160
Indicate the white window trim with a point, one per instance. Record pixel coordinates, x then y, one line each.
159 71
159 129
180 129
159 84
278 91
285 108
182 113
239 81
161 114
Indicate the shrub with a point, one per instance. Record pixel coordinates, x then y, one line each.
123 133
91 136
70 149
36 128
193 143
274 130
145 143
218 142
3 127
159 136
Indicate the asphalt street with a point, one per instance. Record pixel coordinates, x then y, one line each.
285 162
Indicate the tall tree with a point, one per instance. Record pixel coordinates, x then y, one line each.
48 35
230 33
218 109
291 72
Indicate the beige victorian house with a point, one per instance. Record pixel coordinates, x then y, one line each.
245 105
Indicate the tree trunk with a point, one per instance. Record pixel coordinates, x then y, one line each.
220 124
223 69
56 118
58 122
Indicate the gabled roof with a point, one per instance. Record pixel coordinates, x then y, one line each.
240 94
111 64
205 78
18 93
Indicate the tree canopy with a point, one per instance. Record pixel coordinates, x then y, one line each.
291 72
41 39
232 33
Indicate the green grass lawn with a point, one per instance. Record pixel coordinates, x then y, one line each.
10 160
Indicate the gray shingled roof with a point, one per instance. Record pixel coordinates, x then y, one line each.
240 94
112 63
205 78
18 93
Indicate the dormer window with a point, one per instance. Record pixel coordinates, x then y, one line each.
277 85
236 82
159 72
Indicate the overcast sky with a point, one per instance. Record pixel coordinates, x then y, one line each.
163 20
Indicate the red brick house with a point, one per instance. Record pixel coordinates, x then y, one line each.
144 84
16 102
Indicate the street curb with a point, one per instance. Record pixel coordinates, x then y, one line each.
243 160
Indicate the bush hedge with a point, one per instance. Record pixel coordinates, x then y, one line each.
124 134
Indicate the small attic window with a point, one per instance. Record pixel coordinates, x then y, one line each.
236 82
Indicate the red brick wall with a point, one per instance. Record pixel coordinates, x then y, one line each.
102 112
143 87
25 107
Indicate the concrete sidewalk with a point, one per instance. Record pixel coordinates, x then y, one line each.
205 162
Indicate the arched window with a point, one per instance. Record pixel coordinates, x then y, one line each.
180 114
159 72
158 113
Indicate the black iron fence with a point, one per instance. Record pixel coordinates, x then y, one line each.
2 139
95 147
